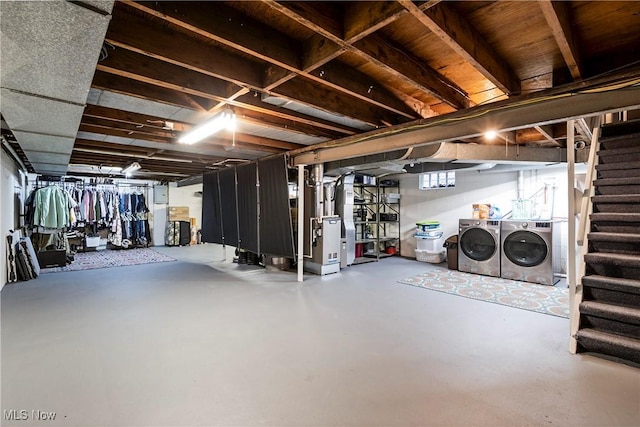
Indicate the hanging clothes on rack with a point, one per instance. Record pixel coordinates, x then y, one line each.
51 207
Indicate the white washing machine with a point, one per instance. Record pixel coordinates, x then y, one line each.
479 246
527 251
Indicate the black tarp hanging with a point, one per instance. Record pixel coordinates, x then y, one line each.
211 211
247 176
229 205
276 230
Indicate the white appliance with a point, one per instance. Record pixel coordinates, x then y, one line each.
527 251
479 246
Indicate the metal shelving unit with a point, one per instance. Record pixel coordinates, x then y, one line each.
371 204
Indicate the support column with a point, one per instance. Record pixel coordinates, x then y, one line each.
300 222
571 243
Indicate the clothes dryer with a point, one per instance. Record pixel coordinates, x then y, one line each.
527 251
479 246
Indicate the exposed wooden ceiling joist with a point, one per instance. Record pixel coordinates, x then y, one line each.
227 26
376 49
465 40
557 14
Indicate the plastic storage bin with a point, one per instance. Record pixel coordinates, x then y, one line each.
429 248
426 256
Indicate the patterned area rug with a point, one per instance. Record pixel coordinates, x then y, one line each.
527 296
111 258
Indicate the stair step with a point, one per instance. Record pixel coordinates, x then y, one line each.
620 243
612 283
631 180
618 158
622 129
611 311
611 318
617 166
617 186
610 344
611 290
614 222
616 203
618 173
622 141
613 265
619 151
621 260
615 217
617 198
615 237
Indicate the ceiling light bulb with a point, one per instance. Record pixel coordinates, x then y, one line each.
490 135
231 122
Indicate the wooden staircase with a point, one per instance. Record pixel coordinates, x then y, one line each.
609 322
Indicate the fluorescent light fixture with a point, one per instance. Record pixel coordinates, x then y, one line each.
131 168
225 119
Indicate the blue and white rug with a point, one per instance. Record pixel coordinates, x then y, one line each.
553 300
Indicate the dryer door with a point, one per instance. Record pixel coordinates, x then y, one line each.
477 244
525 248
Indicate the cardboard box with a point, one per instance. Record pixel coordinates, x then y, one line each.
179 213
481 211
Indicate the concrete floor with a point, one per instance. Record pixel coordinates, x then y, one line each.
196 342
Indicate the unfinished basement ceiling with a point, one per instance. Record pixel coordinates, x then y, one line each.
98 85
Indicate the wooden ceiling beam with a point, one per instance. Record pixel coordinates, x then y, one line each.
253 102
138 34
106 129
123 85
275 116
311 16
584 129
558 16
401 65
250 143
227 26
114 114
276 123
366 17
363 87
133 128
147 69
307 92
362 18
464 39
218 22
547 132
149 73
411 70
159 73
88 145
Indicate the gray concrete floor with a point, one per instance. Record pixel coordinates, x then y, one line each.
205 342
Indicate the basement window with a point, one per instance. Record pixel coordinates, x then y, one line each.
437 180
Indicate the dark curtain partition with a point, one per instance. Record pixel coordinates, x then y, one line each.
211 212
276 230
229 206
248 207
